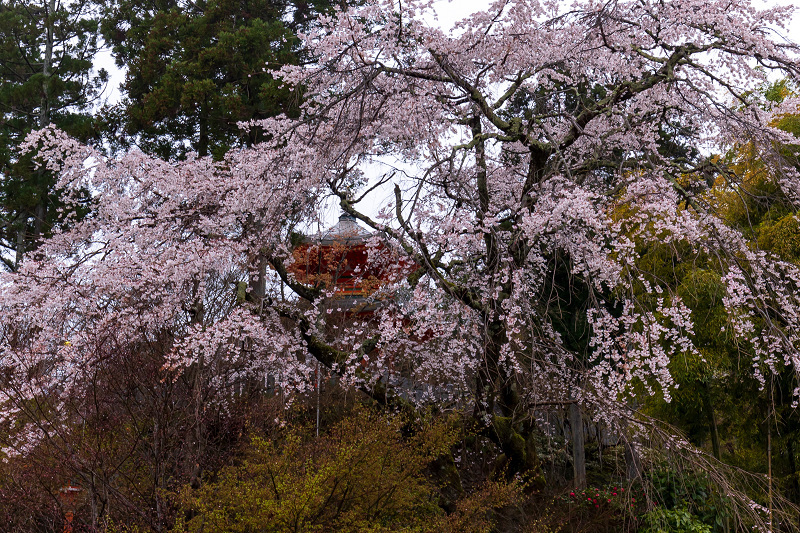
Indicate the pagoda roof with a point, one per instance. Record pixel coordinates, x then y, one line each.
346 231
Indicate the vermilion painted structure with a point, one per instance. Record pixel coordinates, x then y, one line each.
338 258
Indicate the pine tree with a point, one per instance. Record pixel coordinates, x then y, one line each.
195 70
46 76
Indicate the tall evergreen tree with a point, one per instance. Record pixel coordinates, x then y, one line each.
47 48
195 70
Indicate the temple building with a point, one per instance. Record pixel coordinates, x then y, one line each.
338 260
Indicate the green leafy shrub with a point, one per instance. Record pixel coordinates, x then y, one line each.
782 237
673 521
361 476
682 494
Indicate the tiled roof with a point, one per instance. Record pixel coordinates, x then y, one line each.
346 231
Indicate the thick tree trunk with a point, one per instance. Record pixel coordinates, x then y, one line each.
712 421
202 142
24 236
21 237
47 63
519 450
502 405
257 284
632 462
578 450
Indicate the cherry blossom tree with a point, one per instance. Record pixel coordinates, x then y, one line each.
525 162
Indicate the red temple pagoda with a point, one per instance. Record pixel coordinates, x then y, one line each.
337 259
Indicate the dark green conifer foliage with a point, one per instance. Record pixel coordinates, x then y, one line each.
197 69
47 48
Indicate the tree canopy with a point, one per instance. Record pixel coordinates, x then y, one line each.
46 76
194 71
554 174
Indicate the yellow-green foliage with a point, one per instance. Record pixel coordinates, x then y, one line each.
782 237
361 476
